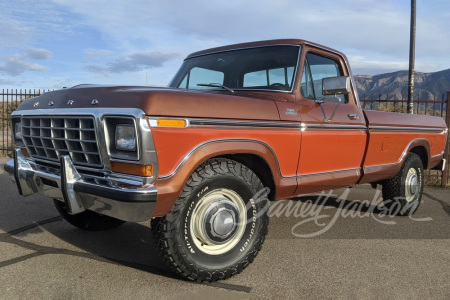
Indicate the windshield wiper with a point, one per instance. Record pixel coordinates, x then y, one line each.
216 85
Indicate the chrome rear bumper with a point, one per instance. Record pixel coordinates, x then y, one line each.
130 203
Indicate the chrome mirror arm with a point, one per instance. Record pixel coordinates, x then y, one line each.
335 110
325 119
323 111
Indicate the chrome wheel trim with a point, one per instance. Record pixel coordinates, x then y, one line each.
218 221
411 185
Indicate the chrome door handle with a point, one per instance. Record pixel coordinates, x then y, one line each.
353 116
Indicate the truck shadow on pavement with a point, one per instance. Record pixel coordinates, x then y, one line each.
129 246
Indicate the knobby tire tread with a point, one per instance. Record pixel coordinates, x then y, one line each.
164 229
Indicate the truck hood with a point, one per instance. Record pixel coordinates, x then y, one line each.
160 102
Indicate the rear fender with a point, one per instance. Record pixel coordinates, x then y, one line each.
381 172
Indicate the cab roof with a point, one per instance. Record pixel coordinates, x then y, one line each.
259 44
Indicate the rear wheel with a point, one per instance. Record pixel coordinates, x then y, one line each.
402 194
217 226
87 220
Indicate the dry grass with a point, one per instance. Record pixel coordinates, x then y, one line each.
390 107
6 144
6 108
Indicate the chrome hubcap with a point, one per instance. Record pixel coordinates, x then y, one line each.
218 221
411 185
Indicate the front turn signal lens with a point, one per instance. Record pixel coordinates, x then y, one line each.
170 123
132 169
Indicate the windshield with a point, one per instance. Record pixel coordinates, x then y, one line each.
262 68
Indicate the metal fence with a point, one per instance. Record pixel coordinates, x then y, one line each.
10 99
434 106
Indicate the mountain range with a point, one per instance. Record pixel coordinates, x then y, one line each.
395 85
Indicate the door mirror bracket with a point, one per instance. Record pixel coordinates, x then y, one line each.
325 119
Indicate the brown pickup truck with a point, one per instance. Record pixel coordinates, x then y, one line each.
237 127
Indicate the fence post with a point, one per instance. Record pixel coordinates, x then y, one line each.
444 178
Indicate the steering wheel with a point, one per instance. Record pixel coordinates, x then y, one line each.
278 85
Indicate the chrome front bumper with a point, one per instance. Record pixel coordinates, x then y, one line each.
130 203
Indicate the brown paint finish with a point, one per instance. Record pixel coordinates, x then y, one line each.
163 102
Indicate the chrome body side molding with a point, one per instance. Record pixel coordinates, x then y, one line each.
408 129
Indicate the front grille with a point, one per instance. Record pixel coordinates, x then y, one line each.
50 137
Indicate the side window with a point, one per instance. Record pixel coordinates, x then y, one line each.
200 75
258 78
316 68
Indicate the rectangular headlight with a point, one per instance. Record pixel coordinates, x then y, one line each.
122 137
125 137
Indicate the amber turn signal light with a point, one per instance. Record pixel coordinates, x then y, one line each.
170 123
139 170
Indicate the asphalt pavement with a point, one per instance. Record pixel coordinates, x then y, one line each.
337 245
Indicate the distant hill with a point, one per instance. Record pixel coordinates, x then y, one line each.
396 84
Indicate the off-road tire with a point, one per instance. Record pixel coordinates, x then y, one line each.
87 220
201 261
402 193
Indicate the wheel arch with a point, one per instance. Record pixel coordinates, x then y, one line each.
422 152
259 166
256 155
376 174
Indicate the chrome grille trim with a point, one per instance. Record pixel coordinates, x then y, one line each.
145 138
50 137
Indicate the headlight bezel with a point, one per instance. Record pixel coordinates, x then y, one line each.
111 124
16 131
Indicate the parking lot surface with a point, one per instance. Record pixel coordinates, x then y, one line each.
337 245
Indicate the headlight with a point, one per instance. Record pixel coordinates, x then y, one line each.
122 137
18 130
125 137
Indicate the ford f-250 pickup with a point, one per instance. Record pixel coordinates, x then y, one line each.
237 127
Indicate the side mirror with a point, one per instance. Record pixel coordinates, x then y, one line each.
336 85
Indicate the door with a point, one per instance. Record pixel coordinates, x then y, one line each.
331 151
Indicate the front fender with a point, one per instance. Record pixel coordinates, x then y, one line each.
170 185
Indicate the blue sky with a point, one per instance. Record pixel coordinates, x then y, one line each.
50 44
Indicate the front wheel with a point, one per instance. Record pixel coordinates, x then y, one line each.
218 224
402 194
